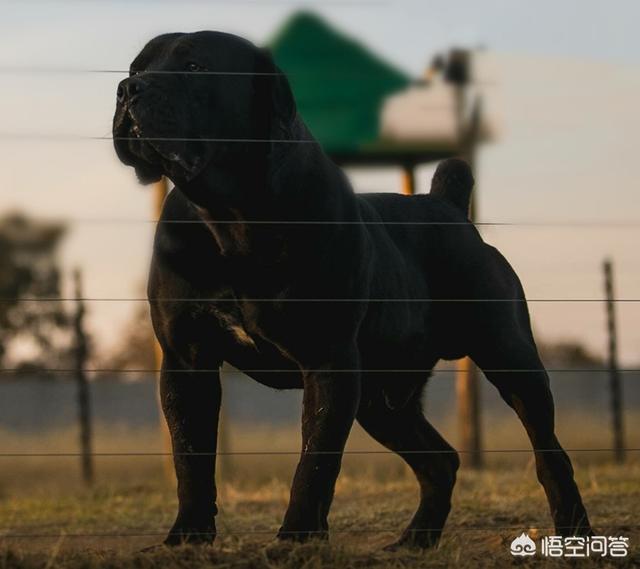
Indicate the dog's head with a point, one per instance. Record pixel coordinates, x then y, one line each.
199 99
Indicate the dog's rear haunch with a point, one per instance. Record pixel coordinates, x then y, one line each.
287 274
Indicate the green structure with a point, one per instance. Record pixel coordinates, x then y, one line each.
340 87
338 84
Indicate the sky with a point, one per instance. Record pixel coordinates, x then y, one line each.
564 86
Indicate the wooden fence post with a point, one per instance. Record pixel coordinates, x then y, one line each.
160 190
224 460
408 180
80 353
467 375
614 376
468 398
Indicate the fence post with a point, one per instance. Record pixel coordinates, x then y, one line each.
468 401
160 190
408 180
614 376
80 353
468 398
224 458
467 375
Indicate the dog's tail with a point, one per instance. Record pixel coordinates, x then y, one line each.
453 181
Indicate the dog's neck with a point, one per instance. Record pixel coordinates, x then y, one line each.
257 205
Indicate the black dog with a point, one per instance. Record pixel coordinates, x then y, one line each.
266 259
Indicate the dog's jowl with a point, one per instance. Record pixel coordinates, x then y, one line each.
284 272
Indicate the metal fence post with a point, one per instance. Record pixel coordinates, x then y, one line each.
614 375
80 354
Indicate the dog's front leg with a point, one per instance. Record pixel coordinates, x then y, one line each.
331 398
191 405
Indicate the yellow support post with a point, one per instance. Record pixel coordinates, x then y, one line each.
467 376
159 193
468 398
408 181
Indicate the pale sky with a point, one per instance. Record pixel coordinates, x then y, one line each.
565 86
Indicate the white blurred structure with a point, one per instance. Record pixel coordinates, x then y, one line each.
440 109
421 113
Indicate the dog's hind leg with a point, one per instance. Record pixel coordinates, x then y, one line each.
434 462
510 361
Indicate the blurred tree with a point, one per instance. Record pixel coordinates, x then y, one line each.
136 349
33 335
569 354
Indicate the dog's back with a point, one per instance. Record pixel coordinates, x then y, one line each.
420 226
447 202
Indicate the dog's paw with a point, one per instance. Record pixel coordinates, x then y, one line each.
297 551
303 536
415 539
279 550
190 536
152 549
583 530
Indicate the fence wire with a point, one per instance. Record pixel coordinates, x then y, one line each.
320 300
306 453
227 371
228 532
620 224
153 532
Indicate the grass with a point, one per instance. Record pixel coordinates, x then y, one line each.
375 498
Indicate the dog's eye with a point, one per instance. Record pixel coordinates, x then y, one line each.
191 66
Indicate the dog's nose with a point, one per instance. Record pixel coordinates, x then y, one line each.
129 88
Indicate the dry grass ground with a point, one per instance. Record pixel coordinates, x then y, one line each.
375 498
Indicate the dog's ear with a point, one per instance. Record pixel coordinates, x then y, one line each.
274 103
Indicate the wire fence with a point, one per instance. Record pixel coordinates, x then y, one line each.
80 137
225 370
157 532
339 530
614 224
58 70
227 300
306 453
